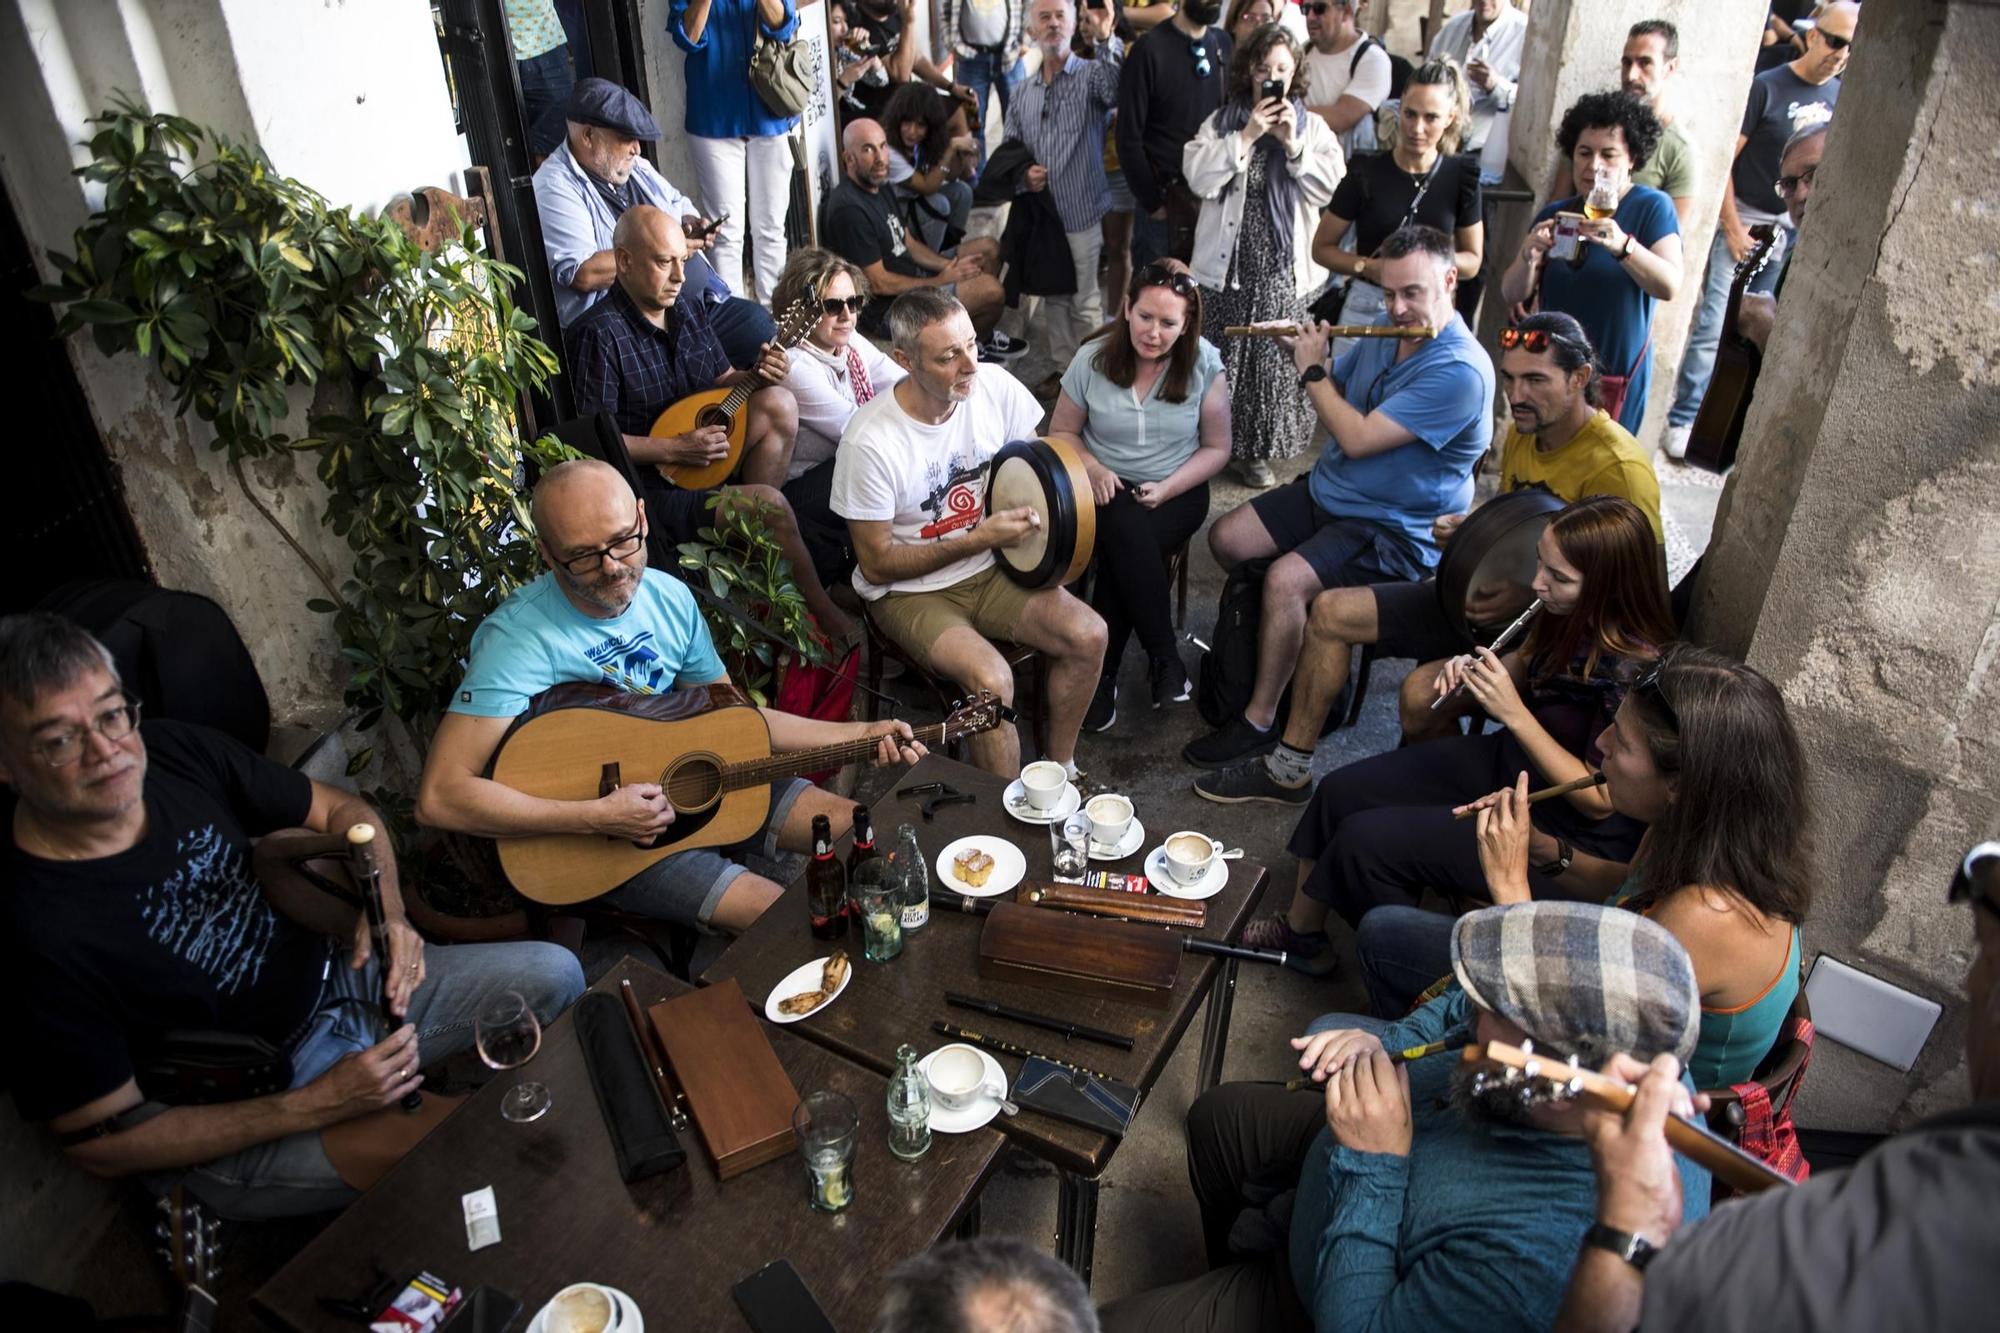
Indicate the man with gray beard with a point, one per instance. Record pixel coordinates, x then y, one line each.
1420 1201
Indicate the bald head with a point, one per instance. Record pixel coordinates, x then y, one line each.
584 512
652 252
864 152
1827 43
571 493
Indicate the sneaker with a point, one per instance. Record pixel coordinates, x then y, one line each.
1311 954
1226 744
1170 681
1675 441
999 347
1103 710
1256 474
1249 780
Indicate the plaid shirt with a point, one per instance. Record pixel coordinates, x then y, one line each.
621 364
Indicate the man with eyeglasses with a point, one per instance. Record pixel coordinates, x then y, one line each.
1347 72
1172 82
1796 170
1783 102
1903 1239
600 616
132 922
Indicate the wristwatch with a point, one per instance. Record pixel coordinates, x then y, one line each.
1312 375
1625 250
1564 855
1634 1249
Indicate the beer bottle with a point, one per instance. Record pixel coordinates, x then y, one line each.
864 841
826 885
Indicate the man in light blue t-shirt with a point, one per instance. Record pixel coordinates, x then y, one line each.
1407 420
599 616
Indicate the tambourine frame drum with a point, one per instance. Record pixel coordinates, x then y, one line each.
1493 555
1047 476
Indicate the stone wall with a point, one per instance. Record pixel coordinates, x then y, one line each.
1857 553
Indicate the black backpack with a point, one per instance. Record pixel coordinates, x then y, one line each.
1228 671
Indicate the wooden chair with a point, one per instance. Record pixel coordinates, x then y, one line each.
1019 657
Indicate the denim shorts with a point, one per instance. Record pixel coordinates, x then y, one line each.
686 888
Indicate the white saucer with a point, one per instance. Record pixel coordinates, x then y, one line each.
1015 798
983 1109
629 1318
1211 884
1134 839
1010 867
805 977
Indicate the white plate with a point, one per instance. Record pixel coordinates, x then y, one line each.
1010 867
803 978
1211 884
1015 798
629 1318
983 1109
1134 839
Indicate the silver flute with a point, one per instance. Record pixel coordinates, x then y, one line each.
1500 645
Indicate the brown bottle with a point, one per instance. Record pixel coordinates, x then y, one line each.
826 885
864 841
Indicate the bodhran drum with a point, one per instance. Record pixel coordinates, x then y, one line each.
1485 578
1046 476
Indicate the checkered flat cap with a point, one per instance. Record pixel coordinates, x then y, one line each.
1581 978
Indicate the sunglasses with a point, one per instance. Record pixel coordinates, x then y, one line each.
1157 274
1535 340
1791 184
840 305
1198 48
1649 686
1316 10
1834 40
1978 878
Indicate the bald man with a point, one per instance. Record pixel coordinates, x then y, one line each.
864 227
599 616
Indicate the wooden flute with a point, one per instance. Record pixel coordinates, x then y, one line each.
1125 906
1333 331
1587 780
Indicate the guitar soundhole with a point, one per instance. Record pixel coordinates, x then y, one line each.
694 784
713 416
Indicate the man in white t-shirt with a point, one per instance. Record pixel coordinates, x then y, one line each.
1347 72
910 479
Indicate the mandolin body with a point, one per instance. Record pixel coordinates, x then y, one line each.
708 408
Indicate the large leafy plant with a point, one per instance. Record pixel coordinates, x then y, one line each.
240 285
754 610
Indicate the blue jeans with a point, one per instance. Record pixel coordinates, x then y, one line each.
687 887
1334 1022
1404 950
1698 363
290 1176
742 327
980 72
545 83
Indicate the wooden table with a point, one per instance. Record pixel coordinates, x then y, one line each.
888 1004
565 1216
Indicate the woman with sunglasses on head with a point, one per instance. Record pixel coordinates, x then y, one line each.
834 370
1263 167
1146 403
1380 831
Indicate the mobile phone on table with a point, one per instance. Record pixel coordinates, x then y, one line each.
1272 88
775 1299
486 1310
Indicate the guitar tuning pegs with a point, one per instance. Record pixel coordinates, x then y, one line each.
1573 1087
163 1205
1527 1045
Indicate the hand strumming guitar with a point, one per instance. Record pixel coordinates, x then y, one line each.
638 810
698 448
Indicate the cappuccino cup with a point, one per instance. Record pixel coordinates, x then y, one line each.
1043 784
1110 815
582 1308
1190 855
958 1078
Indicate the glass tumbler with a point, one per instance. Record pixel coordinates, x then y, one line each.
877 894
1069 847
827 1126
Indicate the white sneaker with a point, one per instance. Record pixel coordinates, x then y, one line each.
1675 441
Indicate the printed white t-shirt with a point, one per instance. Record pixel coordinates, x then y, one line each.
928 481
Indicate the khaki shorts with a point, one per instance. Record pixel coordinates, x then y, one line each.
989 602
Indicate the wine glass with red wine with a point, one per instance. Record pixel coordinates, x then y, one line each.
508 1034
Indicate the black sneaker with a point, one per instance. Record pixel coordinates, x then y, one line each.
1103 710
1249 780
1237 739
1170 681
999 347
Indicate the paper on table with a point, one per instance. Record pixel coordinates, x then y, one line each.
482 1219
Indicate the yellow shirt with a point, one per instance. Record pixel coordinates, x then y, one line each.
1600 459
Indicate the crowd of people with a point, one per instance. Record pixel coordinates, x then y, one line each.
1171 174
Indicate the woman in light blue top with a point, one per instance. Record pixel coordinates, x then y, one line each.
1146 403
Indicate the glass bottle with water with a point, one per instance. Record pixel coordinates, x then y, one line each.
909 1107
916 879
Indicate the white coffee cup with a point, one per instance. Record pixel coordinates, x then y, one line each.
1189 856
584 1307
1110 815
1044 782
958 1078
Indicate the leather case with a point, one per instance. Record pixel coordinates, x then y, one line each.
737 1092
641 1133
1102 1104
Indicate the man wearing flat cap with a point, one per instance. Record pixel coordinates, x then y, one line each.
1418 1199
585 186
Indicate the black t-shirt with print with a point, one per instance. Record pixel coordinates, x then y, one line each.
885 38
101 957
864 228
1375 195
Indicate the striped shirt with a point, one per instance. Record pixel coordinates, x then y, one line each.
1063 125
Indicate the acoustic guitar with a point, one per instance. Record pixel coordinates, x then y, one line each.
1718 426
188 1244
708 750
723 407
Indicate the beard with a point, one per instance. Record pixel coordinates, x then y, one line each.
1499 1103
611 593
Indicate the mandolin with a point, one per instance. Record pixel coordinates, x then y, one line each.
1718 426
723 407
706 747
1545 1078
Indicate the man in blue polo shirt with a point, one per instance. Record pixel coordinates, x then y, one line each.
1408 418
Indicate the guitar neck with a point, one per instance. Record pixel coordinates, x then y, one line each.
798 763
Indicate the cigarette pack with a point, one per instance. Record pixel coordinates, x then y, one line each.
1111 879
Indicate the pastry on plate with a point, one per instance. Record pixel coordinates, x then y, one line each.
830 978
972 867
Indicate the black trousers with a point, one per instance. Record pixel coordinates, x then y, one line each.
1380 831
1132 592
1246 1143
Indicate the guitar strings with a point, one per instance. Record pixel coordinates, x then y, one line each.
686 789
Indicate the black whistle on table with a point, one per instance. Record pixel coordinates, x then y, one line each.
1062 1025
366 873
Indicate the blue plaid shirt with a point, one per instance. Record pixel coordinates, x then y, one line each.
621 364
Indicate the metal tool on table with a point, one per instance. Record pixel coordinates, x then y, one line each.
936 796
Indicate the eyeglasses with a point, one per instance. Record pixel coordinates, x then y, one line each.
1978 878
1198 48
113 724
590 561
840 305
1535 340
1790 184
1316 10
1157 274
1649 686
